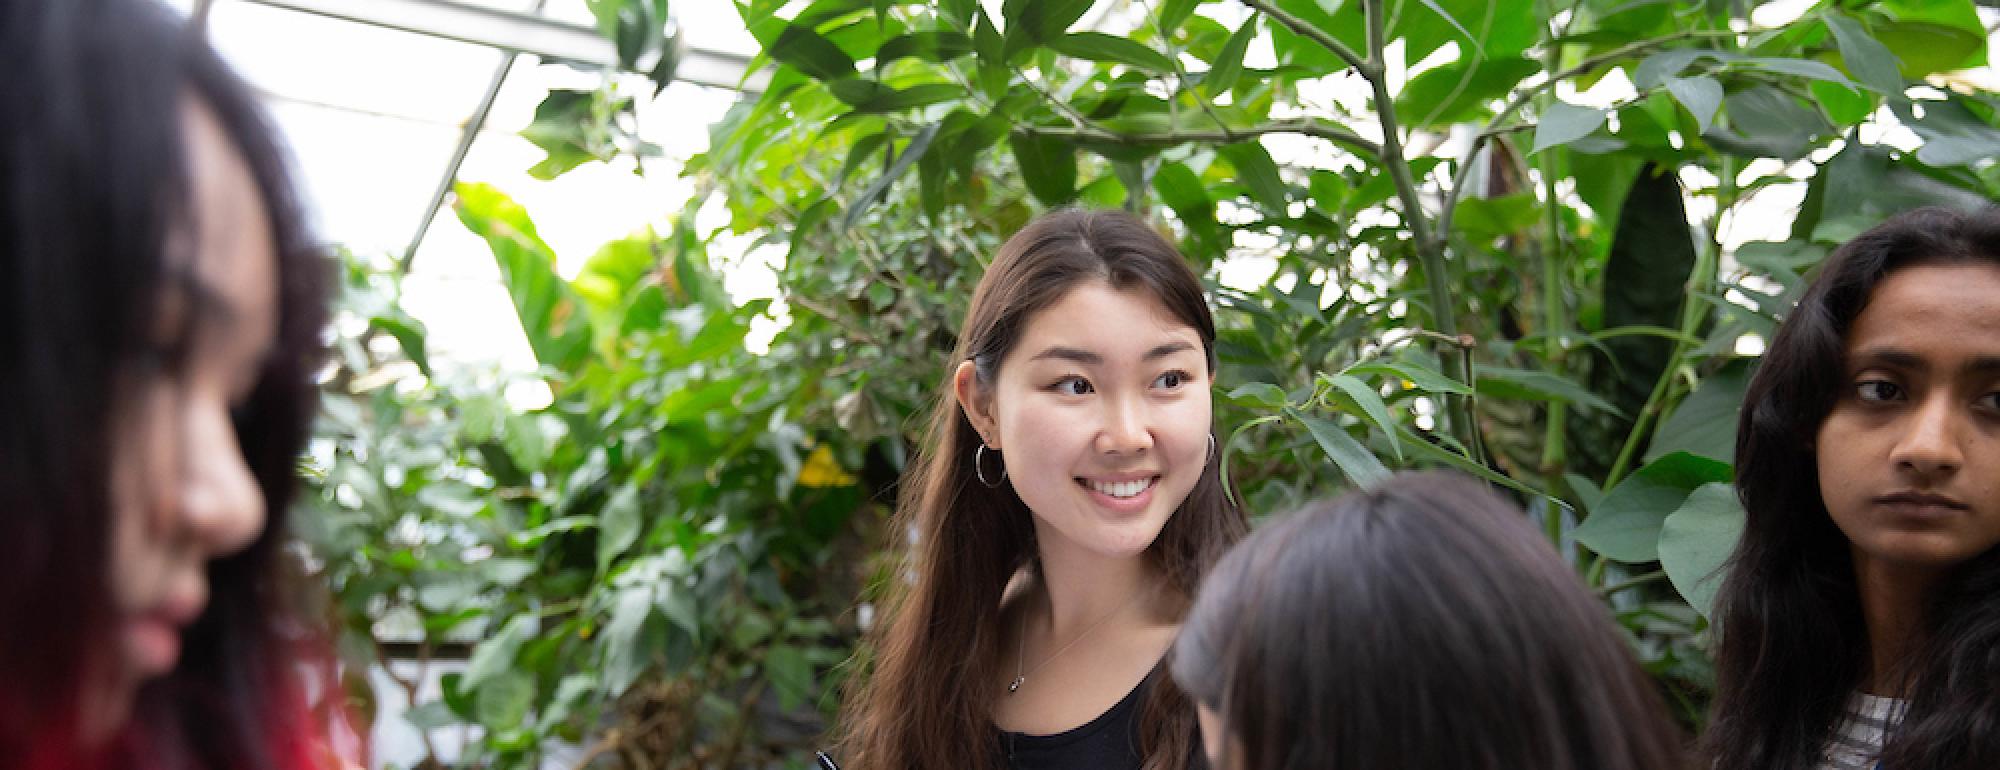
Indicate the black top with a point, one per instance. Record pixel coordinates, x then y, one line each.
1109 742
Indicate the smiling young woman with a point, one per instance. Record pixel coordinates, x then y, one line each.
1861 615
1066 505
160 308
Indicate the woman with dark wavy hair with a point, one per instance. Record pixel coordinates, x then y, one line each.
160 311
1860 618
1416 625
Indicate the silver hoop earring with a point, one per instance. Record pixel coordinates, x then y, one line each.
1211 446
979 467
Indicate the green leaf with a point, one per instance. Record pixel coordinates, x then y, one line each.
1587 493
503 702
1228 65
1805 68
811 53
1655 70
1953 135
788 670
1048 165
1702 96
1625 527
1262 394
1033 22
991 48
1565 123
1173 13
1461 91
618 526
894 100
1697 540
1358 397
1354 460
1257 172
1537 385
1869 60
1413 375
1705 422
1846 106
1097 46
411 335
550 313
624 657
913 151
495 655
933 45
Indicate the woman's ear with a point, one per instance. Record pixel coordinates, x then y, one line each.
976 402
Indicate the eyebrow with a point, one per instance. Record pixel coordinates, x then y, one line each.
1081 356
1903 359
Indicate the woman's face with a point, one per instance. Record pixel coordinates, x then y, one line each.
1101 413
182 492
1909 458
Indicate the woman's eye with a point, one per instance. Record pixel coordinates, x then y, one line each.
1172 379
1991 401
1877 390
1074 386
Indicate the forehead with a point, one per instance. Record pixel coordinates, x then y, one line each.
233 254
1935 310
1114 323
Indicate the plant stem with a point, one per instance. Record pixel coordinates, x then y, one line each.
1554 324
1614 588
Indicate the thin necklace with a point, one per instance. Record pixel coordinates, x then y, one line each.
1021 654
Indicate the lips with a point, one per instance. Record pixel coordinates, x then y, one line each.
1920 504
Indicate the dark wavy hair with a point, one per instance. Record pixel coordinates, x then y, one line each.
1420 623
1792 642
929 701
93 186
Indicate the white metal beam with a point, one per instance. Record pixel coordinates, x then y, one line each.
550 39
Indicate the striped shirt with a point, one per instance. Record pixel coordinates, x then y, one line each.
1857 743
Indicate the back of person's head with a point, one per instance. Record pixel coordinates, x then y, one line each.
1421 623
160 309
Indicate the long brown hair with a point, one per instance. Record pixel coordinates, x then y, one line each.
929 701
1421 623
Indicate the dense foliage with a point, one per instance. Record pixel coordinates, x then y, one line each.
1469 266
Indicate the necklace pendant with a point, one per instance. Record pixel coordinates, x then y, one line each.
1016 684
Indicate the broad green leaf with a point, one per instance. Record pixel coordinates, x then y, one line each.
1697 540
495 655
1805 68
1586 491
1869 60
811 53
1358 397
1933 35
1411 375
789 671
618 526
1423 447
1565 123
1228 65
1173 13
1655 70
550 312
1354 460
1048 165
1097 46
1846 106
896 100
1256 172
411 335
503 701
934 45
1705 422
1033 22
1492 217
1702 96
1262 394
624 658
1537 385
1767 122
1461 91
1625 526
1953 136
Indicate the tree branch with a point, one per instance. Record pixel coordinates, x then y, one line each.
1299 27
